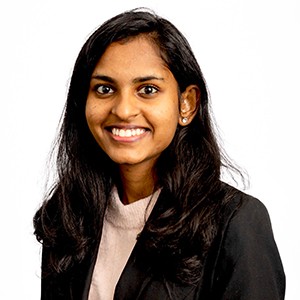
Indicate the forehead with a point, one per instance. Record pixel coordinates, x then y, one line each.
132 55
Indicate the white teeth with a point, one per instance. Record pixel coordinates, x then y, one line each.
127 132
122 132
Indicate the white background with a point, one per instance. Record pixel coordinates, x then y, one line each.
249 53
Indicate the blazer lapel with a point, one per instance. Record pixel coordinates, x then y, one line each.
138 282
133 280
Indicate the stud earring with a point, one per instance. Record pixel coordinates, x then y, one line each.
184 120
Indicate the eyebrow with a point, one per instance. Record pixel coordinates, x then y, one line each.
147 78
103 77
135 80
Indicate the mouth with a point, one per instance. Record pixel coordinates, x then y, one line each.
127 132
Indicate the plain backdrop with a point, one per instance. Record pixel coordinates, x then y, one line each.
249 54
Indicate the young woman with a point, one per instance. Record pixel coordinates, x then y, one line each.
139 210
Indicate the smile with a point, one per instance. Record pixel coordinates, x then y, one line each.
127 132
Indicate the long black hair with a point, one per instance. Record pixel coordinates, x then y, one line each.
188 171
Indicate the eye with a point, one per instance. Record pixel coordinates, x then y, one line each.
148 90
104 89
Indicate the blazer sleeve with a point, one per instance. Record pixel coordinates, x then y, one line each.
249 266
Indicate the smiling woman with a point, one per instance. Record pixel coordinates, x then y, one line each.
129 106
139 210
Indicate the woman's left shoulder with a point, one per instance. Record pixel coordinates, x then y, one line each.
244 208
249 264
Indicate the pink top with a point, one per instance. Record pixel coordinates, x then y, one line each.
122 224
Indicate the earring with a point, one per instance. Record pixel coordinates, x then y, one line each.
184 120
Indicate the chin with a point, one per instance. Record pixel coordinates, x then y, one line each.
125 161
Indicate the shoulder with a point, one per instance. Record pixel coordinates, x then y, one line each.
244 211
248 264
246 226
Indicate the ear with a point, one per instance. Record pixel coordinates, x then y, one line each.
188 104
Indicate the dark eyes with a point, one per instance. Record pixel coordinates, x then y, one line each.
148 90
144 91
104 90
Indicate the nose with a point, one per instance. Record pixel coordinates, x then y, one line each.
126 107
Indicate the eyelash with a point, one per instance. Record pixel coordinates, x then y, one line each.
99 86
152 87
140 92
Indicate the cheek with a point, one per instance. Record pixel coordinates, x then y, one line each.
170 115
92 113
168 121
93 120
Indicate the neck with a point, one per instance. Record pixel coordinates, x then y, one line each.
137 182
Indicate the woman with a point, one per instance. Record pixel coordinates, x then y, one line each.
139 210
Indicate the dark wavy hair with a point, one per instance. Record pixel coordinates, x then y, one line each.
177 240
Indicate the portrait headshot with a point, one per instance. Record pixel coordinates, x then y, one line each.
150 150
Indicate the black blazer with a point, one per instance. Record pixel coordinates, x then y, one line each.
243 263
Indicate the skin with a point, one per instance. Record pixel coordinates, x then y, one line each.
133 110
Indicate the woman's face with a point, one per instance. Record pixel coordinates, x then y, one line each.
132 104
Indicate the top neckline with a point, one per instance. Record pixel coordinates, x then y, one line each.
129 216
